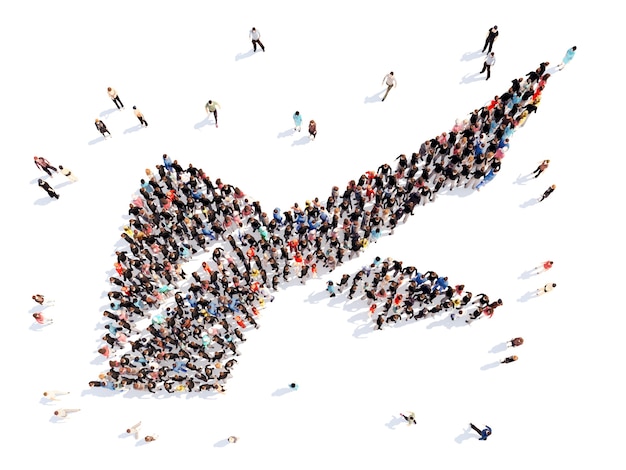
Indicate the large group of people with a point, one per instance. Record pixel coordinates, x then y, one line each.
173 330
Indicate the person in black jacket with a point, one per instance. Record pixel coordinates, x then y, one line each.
102 128
47 188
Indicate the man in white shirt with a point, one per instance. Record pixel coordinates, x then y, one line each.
391 82
256 39
489 61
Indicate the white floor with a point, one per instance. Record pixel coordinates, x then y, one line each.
560 405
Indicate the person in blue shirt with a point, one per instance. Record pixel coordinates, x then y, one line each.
484 433
569 55
297 120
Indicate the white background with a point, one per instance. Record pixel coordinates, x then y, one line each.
560 405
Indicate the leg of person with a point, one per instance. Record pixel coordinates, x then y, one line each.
488 72
484 67
261 44
387 92
476 429
215 116
254 45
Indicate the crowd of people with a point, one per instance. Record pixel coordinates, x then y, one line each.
179 331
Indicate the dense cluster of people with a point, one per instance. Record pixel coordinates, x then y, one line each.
196 320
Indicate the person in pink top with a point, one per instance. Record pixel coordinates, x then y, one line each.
39 318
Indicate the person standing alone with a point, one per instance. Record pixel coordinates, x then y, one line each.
489 61
115 97
255 35
211 107
140 117
391 82
492 35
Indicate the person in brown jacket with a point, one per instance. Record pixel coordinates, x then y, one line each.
312 129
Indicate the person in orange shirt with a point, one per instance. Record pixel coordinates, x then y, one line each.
543 267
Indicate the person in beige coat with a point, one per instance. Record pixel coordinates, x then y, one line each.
68 174
140 117
115 97
63 412
52 394
134 430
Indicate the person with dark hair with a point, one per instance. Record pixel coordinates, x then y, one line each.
255 36
489 61
297 121
102 128
140 117
293 386
515 342
47 188
68 174
547 192
391 82
543 267
211 107
410 418
115 97
484 433
492 35
545 289
569 55
508 360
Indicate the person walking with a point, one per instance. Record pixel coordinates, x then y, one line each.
68 174
47 188
39 318
115 97
492 35
489 61
312 129
211 107
44 165
293 386
543 267
543 166
255 36
409 418
297 121
547 192
102 128
151 438
569 55
484 433
134 430
232 439
508 360
52 394
391 82
63 412
41 300
545 289
140 117
515 342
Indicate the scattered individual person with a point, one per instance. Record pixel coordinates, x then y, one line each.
547 192
47 188
543 267
545 289
312 129
63 412
489 61
68 174
255 36
508 360
515 342
40 299
492 35
232 439
52 394
139 115
484 433
102 128
44 165
211 107
151 438
134 430
41 319
543 166
115 97
297 121
409 418
569 55
391 82
293 386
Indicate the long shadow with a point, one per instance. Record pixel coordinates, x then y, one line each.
44 201
523 179
62 185
133 129
201 124
301 141
107 112
394 421
286 133
244 55
221 443
472 55
527 274
498 348
282 391
95 141
374 98
470 78
529 203
527 296
491 365
467 434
